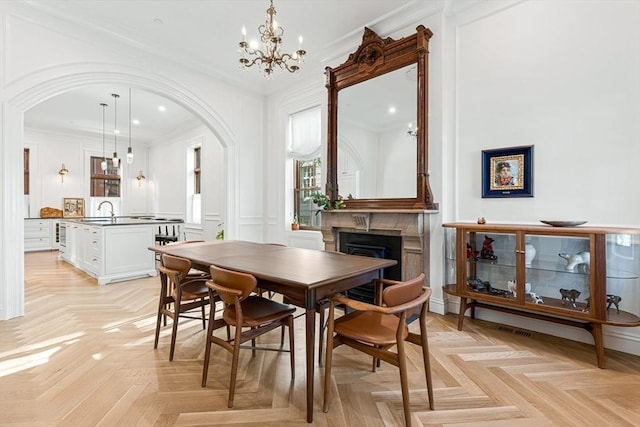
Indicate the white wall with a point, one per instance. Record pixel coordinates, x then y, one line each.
47 152
168 174
563 76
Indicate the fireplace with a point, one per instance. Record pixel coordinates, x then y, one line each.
376 246
402 235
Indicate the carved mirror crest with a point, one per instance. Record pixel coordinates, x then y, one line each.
377 141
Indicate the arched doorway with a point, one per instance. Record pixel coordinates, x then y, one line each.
23 95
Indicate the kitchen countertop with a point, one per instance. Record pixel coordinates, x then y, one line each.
122 220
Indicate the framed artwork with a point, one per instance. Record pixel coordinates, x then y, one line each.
507 172
72 207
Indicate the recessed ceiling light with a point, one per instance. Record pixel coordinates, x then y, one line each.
392 110
135 121
158 21
162 108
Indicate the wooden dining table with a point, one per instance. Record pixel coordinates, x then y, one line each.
305 276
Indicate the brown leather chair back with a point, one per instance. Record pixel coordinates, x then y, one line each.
403 292
226 279
180 265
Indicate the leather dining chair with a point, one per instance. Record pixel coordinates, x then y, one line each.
180 293
251 315
376 329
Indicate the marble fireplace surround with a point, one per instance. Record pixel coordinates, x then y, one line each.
411 225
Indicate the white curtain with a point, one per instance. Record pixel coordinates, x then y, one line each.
305 138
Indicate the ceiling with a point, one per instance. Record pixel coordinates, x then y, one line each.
203 35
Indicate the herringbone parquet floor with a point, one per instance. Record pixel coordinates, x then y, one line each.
83 356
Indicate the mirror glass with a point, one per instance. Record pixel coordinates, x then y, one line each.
376 150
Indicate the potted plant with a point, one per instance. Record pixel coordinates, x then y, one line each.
323 202
319 199
295 225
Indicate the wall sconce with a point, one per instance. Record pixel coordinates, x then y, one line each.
140 178
412 132
62 172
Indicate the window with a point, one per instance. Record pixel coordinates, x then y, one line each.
26 171
194 182
307 175
104 183
304 149
196 170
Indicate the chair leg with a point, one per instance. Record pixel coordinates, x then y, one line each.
291 346
282 335
424 341
375 362
321 332
162 304
207 351
404 383
174 329
328 360
158 322
164 316
204 323
253 347
234 365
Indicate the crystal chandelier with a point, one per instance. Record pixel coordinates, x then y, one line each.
270 56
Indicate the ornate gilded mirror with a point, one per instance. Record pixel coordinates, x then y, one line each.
377 143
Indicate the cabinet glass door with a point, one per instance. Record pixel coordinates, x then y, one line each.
558 272
622 303
491 263
450 259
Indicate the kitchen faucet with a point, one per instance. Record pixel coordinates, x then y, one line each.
110 204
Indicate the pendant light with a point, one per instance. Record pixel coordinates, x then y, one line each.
129 152
103 164
116 160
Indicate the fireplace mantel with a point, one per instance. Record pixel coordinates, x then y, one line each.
411 225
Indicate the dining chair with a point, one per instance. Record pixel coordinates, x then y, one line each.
160 237
251 315
181 292
375 329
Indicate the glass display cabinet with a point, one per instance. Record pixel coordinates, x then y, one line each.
578 276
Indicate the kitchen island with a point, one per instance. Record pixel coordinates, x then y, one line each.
113 249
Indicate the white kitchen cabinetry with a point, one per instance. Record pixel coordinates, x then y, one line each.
90 256
69 246
110 252
37 235
41 234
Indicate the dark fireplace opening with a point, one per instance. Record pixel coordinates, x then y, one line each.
377 246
